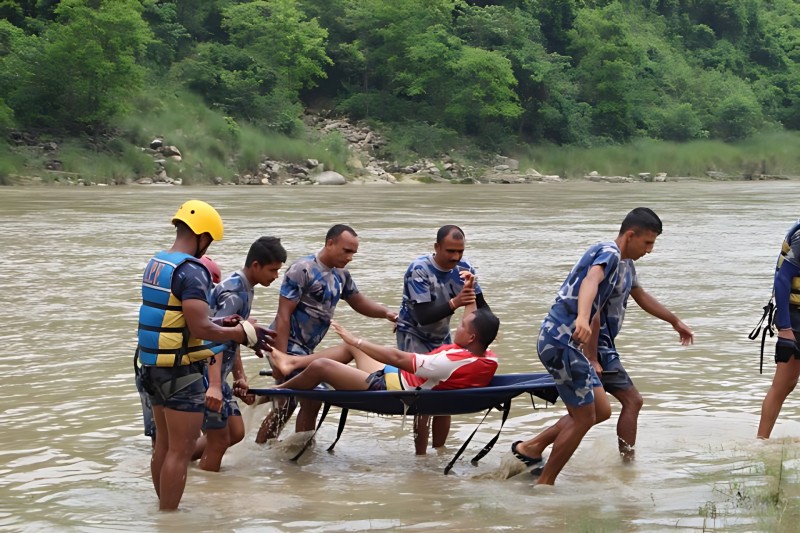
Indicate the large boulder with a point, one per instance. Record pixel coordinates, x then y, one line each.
330 177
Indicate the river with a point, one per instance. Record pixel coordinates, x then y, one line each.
74 457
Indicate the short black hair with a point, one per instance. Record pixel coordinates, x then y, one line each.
447 231
337 230
485 324
266 250
641 218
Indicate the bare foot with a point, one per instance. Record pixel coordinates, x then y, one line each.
281 362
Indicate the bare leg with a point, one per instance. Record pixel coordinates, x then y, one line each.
441 427
421 432
199 447
580 420
285 364
783 383
307 416
329 366
535 447
235 429
159 448
272 425
631 402
183 430
339 375
288 363
217 441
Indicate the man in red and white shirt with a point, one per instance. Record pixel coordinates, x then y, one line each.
466 363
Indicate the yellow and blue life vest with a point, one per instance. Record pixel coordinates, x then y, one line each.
164 337
794 297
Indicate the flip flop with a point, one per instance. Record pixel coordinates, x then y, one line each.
536 464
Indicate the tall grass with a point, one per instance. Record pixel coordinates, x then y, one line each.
10 165
213 144
773 153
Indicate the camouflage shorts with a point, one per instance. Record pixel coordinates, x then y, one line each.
574 375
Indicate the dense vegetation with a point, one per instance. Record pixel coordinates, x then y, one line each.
503 74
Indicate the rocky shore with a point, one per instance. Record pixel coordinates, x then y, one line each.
364 166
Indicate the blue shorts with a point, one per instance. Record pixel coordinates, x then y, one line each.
574 375
614 382
190 398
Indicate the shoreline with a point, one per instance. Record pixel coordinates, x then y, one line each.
403 180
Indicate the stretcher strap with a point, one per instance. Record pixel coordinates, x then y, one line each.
505 408
342 420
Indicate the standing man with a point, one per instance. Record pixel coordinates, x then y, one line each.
177 338
786 289
312 286
602 351
234 296
565 332
432 291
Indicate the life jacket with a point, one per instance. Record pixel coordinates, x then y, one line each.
794 297
164 337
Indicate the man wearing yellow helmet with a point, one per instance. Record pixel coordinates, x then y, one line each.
177 339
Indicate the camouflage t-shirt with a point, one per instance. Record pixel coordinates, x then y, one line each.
560 321
317 289
425 282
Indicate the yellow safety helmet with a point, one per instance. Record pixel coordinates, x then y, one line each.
201 218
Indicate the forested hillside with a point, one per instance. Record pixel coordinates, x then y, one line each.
567 72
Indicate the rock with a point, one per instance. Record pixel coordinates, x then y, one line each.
50 146
594 173
156 143
713 174
660 178
175 158
170 150
54 164
312 163
330 177
645 176
532 172
502 168
218 180
144 181
354 162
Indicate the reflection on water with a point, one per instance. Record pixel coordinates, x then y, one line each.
73 456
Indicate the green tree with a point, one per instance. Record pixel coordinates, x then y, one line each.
277 34
82 72
607 59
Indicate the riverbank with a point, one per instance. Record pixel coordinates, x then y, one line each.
335 151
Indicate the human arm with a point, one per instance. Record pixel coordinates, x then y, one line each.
426 313
367 307
384 354
283 318
590 347
586 295
240 386
651 305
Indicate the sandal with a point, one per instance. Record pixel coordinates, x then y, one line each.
537 463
